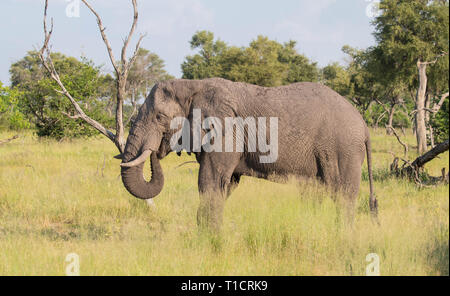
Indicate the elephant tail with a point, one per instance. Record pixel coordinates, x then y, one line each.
373 200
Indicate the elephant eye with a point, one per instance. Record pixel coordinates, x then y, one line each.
160 116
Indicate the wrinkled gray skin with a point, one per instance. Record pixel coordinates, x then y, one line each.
321 135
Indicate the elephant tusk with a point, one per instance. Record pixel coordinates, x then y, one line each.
142 158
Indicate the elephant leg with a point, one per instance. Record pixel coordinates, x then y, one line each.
328 171
234 182
216 170
350 181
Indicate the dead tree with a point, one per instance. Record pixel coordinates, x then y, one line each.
390 111
430 155
412 170
390 130
420 115
121 69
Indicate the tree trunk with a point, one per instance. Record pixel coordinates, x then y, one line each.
430 155
420 124
412 171
121 94
391 120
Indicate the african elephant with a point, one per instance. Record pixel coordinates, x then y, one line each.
320 135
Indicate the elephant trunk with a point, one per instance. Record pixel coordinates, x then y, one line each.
133 179
132 167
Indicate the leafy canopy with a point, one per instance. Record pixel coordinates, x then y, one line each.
45 107
11 115
264 62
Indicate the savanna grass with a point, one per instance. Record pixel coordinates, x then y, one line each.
59 198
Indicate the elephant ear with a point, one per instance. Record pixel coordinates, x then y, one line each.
213 101
184 91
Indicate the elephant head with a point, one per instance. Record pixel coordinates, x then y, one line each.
150 135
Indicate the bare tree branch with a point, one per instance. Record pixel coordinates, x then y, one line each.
380 118
405 146
8 140
71 116
438 106
412 170
185 163
105 39
47 62
435 59
127 40
133 58
435 108
382 105
430 155
121 73
134 104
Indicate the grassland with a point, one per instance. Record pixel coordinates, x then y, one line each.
59 198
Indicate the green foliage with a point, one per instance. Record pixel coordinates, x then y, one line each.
440 123
338 78
408 31
264 62
45 107
300 67
147 69
11 115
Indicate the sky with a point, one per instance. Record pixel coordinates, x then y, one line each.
320 27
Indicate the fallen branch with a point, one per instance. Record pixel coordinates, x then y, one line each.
8 140
185 163
412 170
430 155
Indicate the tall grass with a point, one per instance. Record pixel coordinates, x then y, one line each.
59 198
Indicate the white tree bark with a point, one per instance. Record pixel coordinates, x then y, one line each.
121 70
420 120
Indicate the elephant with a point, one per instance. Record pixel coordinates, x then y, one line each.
320 136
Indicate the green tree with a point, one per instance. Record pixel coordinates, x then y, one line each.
264 62
206 63
259 64
146 71
363 83
48 109
11 115
412 37
337 77
440 123
300 67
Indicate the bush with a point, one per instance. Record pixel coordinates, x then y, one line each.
47 108
440 124
11 116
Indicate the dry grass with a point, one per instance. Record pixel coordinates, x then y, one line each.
58 198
